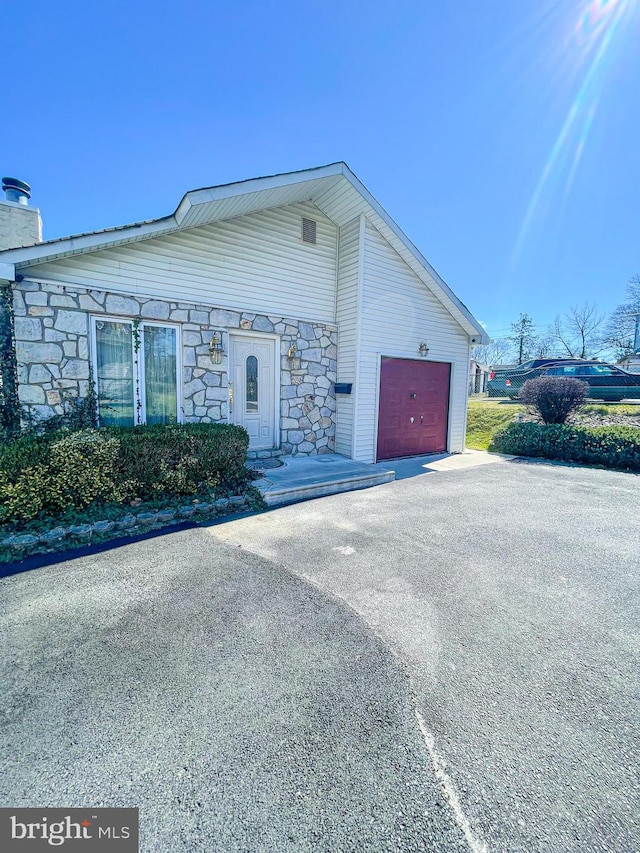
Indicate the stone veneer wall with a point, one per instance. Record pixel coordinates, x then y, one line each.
53 354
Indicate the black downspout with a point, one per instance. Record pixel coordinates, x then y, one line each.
9 402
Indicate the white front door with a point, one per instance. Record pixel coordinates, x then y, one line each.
253 388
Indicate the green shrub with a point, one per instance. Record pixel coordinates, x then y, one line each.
554 398
610 446
180 458
51 473
80 468
23 451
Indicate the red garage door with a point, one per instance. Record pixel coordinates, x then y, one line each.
414 405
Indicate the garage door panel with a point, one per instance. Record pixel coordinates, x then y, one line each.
413 407
430 419
394 422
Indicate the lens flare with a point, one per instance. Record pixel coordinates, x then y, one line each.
589 45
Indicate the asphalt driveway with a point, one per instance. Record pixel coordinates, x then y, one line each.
244 708
511 592
236 706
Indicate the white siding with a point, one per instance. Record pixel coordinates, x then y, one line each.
252 263
347 319
399 311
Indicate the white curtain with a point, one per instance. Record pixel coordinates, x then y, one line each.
160 385
115 373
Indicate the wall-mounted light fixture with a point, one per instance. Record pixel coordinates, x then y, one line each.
291 352
216 350
423 349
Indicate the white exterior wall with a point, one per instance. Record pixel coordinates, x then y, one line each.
349 280
253 263
398 312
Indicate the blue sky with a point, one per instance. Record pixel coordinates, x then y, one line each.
502 136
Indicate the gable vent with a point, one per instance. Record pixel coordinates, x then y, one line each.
308 230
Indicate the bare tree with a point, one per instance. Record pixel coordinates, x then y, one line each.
545 345
620 329
576 333
499 351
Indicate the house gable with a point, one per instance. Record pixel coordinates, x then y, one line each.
258 261
334 189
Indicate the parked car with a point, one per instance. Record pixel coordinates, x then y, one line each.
605 381
501 379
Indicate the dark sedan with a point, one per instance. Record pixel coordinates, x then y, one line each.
605 381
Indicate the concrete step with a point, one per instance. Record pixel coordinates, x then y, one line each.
301 478
273 453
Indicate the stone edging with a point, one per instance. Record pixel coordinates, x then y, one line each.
129 525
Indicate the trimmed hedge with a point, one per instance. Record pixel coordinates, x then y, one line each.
56 472
554 398
179 459
610 446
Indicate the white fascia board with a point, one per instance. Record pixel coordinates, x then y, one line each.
255 185
476 328
127 233
46 251
7 272
130 233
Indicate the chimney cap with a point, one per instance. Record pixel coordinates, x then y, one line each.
15 189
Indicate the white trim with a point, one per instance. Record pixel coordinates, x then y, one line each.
7 272
336 276
179 382
253 185
139 389
377 406
452 375
78 243
359 308
466 402
81 243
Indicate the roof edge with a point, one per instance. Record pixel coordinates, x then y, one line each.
399 233
96 240
86 242
104 237
251 185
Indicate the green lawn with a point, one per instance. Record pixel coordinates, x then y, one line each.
485 418
611 409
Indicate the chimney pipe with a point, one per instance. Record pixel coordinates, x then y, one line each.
16 191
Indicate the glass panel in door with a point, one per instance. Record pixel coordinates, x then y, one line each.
160 369
115 373
252 384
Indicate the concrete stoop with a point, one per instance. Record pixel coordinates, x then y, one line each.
303 477
254 455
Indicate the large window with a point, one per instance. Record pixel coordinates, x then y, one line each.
136 370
